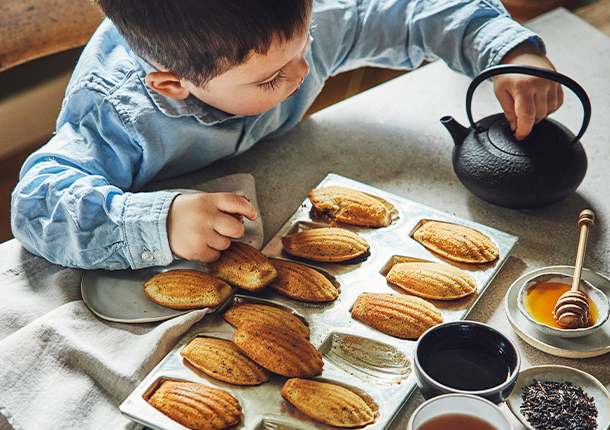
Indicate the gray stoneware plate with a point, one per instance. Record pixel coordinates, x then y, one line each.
593 345
118 295
587 382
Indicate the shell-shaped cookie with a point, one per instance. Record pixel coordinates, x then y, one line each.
279 350
329 244
432 280
242 313
244 266
398 315
223 360
186 289
328 403
350 206
302 283
456 242
197 406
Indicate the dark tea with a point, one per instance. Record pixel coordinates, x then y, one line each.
466 364
456 422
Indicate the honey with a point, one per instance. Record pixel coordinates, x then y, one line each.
541 300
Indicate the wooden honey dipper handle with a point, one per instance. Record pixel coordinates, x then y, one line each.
585 222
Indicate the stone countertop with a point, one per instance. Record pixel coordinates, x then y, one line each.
390 137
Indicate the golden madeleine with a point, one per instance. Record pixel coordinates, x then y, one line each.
242 313
398 315
279 350
456 242
243 266
350 206
328 403
301 282
432 280
223 360
327 244
197 406
186 289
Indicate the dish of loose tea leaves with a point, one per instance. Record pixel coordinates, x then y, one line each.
551 397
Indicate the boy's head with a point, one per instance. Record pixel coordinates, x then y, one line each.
198 40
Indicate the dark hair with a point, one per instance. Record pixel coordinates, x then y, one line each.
201 39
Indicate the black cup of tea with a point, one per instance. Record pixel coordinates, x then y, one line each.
466 357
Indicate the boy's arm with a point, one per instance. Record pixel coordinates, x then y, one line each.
73 211
74 216
469 36
526 100
70 205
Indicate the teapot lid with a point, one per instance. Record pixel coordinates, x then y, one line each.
544 137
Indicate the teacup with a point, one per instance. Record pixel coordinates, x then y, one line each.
457 412
466 357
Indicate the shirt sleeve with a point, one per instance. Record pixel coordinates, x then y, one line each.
69 205
469 35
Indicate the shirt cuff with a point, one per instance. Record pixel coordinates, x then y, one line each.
145 222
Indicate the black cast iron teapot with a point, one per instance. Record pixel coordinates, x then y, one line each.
544 168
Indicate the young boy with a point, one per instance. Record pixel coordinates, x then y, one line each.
165 87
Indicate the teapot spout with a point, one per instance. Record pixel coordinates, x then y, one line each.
457 130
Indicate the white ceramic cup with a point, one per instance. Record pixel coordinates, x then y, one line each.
464 404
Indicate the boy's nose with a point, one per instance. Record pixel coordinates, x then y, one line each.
301 69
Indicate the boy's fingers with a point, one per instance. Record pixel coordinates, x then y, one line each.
557 101
525 109
209 255
218 242
508 106
542 108
511 117
228 226
238 204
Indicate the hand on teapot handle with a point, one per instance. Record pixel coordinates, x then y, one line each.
527 100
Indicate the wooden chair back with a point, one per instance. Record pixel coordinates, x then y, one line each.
31 29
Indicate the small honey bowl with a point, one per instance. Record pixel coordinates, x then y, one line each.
538 296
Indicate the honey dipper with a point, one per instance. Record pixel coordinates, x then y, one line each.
572 309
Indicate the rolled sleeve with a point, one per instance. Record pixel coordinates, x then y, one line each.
145 222
486 46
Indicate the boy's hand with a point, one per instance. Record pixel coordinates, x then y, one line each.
527 100
201 225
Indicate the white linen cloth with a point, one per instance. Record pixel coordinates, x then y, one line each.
62 367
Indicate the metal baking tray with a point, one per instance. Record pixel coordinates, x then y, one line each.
371 363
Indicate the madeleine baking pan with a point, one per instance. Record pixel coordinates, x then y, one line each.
373 364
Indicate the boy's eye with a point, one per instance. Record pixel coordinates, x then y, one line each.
272 83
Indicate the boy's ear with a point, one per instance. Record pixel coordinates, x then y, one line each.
167 84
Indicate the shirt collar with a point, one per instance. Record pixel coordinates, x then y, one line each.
191 106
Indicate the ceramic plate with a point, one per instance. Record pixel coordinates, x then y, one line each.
581 379
593 345
118 295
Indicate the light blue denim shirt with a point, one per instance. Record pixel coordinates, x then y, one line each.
78 202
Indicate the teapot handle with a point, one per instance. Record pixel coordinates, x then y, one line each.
534 71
